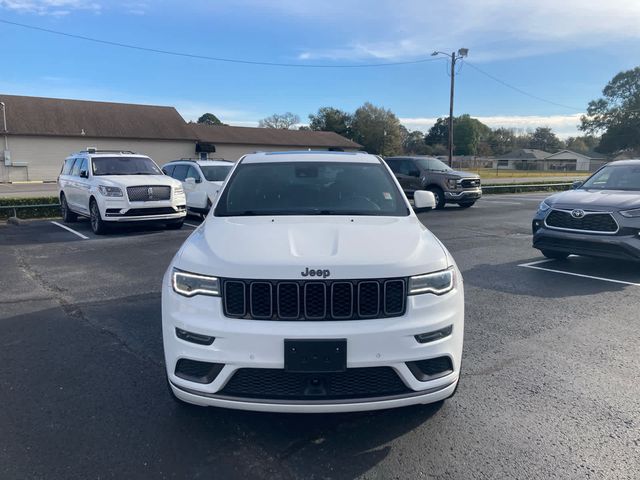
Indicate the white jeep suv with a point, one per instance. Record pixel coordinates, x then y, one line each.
201 180
313 287
115 186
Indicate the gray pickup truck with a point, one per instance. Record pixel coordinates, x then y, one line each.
428 173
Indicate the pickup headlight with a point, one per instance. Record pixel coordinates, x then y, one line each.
635 213
437 283
543 206
191 284
452 183
108 191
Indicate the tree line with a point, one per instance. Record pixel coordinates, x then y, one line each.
611 125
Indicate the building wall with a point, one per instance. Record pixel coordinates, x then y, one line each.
234 152
43 156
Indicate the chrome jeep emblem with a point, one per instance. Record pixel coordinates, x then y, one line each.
577 213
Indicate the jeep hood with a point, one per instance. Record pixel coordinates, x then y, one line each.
595 199
282 247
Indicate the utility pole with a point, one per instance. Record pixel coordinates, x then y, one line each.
462 52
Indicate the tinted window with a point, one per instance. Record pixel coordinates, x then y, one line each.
193 173
125 166
432 164
168 169
180 172
215 173
402 166
83 166
75 170
66 167
615 177
311 188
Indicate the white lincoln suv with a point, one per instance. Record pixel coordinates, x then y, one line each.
313 287
115 186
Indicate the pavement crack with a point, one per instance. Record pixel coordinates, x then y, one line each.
72 311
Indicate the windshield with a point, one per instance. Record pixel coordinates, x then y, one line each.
432 164
311 188
615 177
215 173
125 166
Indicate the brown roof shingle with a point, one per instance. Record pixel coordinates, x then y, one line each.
62 117
270 136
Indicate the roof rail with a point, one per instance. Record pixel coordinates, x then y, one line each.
95 150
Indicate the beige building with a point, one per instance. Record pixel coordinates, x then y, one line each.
37 134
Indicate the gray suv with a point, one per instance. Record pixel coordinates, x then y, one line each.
427 173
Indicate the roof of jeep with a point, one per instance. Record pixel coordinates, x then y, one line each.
310 156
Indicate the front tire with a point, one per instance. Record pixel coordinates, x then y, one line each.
439 195
67 215
554 255
98 226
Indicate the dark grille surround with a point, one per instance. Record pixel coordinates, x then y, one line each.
591 222
470 183
149 193
314 299
278 384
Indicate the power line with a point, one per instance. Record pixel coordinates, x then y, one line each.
519 90
215 59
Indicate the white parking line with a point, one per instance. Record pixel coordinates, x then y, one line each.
534 266
191 225
84 237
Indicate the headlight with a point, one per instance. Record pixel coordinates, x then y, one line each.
108 191
437 283
452 183
543 206
178 191
635 213
190 284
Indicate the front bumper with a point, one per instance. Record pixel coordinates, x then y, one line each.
464 195
259 344
122 210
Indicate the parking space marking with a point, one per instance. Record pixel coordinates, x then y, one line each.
84 237
191 225
534 265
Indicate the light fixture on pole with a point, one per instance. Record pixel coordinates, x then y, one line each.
462 52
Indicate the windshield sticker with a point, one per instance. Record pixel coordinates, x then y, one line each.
386 195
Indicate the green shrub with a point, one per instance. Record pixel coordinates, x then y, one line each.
34 212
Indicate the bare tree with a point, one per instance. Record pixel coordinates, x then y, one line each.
282 121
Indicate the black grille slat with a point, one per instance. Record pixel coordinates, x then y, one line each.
314 299
279 384
234 298
593 222
470 183
149 193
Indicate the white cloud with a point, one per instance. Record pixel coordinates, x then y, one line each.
563 125
56 8
390 29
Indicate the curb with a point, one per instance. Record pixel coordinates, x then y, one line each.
15 221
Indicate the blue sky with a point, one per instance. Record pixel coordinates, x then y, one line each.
562 51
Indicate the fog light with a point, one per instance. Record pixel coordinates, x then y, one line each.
433 336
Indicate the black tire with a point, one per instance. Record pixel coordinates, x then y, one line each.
175 225
555 255
439 194
67 215
98 226
466 204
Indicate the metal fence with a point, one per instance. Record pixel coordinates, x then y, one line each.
494 167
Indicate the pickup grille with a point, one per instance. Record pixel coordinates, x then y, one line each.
149 193
590 222
293 300
470 183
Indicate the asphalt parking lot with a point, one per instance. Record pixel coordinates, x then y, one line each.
550 383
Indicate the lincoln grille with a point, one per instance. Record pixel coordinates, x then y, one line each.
314 299
593 222
278 384
149 193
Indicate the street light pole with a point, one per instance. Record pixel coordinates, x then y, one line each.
462 52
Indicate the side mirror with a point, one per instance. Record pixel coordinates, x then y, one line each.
424 200
84 174
577 184
190 181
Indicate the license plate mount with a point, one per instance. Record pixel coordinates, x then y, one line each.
315 356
